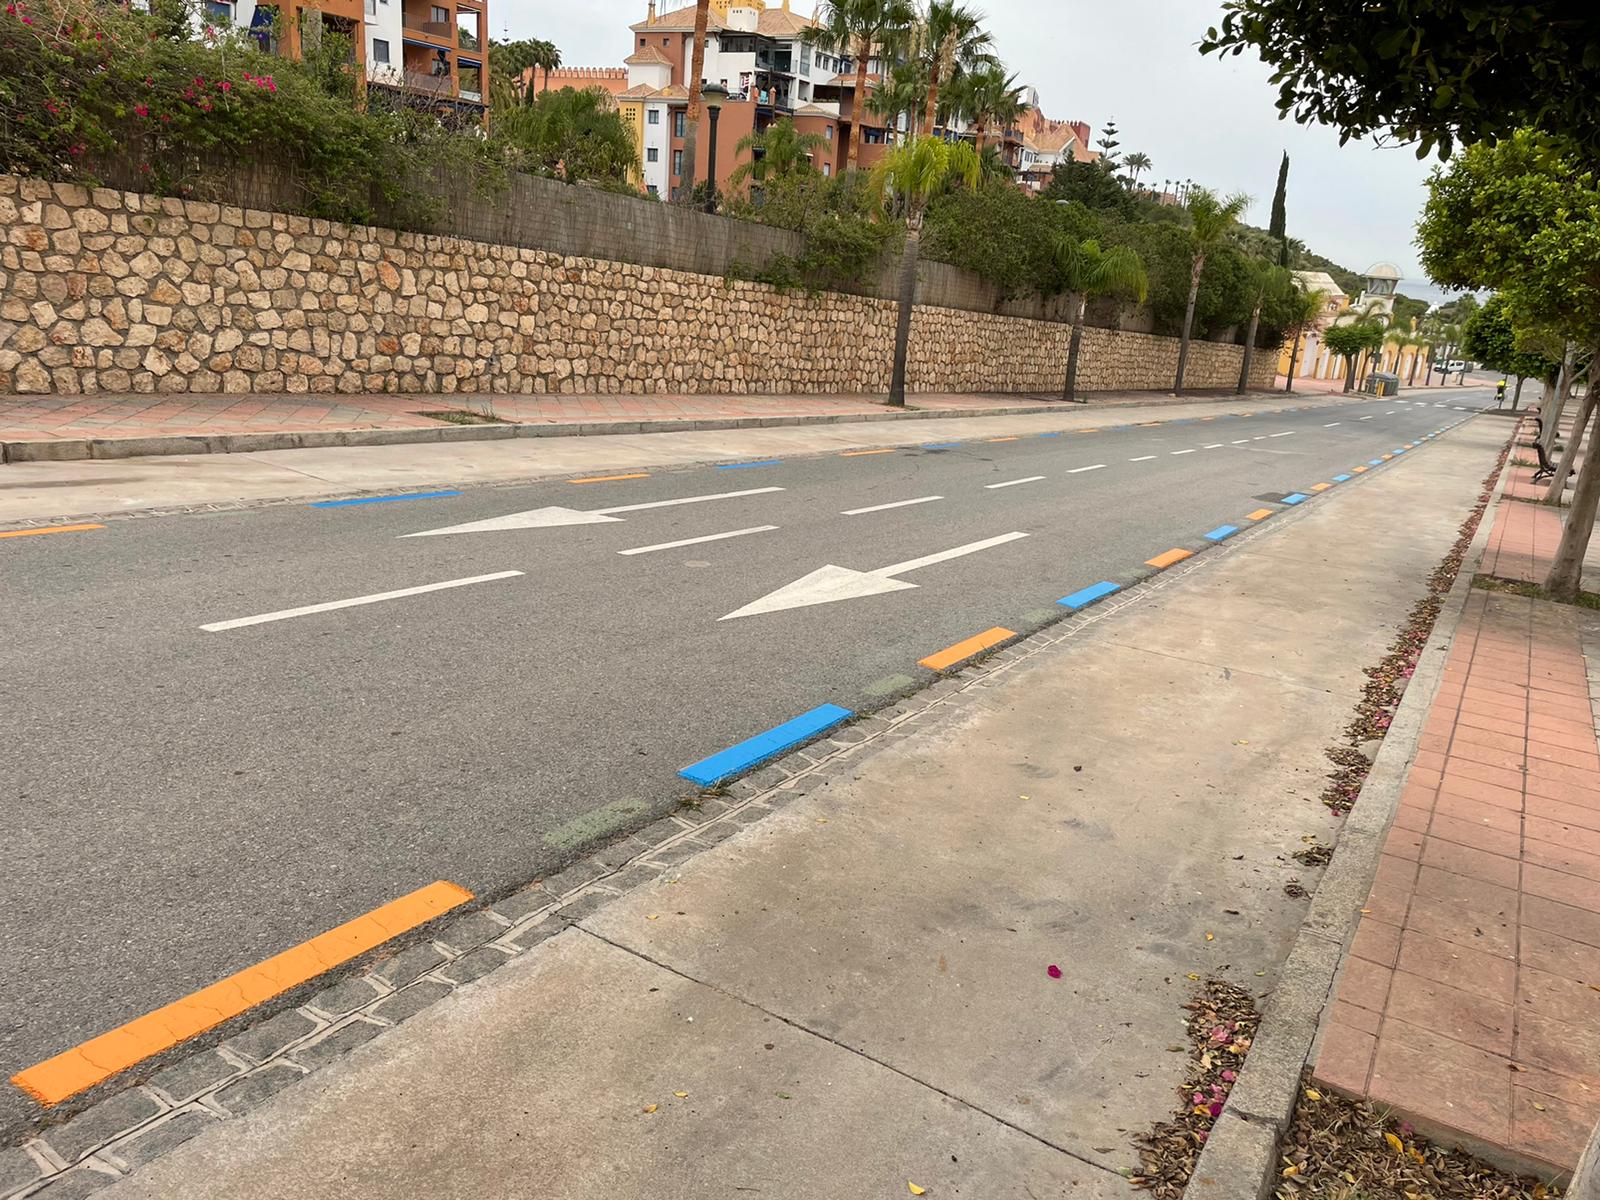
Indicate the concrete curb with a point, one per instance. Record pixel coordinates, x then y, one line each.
76 449
1239 1161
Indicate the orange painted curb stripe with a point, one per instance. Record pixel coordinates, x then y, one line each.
973 645
1146 424
1260 514
859 453
1320 487
98 1059
1386 457
49 529
1004 439
611 478
1163 561
1358 470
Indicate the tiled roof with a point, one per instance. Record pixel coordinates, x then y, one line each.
650 56
775 22
679 20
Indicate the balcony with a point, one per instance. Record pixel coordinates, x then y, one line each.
420 19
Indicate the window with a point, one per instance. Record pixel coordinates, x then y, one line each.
655 191
677 162
440 16
678 120
372 7
652 155
827 132
653 116
827 169
219 12
380 50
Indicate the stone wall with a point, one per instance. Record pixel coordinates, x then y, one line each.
116 291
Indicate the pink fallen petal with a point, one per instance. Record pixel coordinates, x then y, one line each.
1053 971
1229 1076
1215 1108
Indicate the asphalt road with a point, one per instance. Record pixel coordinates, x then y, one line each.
186 802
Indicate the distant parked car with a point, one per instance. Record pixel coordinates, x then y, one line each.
1454 365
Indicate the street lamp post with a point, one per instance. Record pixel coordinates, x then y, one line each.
712 95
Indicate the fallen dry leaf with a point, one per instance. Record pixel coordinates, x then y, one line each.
1211 937
1313 1094
1395 1143
914 1189
653 917
681 1095
650 1108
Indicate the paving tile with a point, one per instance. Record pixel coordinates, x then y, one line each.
1554 1129
1473 893
1465 860
1544 950
1363 1019
1459 1015
1460 966
1364 984
1558 996
1474 834
1500 777
1403 843
1479 812
1484 793
1376 942
1468 751
1571 859
1557 1045
1425 1074
1537 828
1344 1058
1557 885
1585 760
1560 810
1490 932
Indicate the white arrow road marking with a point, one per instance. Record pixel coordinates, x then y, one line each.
695 541
872 508
830 583
285 614
1013 482
545 518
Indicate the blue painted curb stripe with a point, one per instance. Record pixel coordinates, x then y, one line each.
939 445
1399 450
1089 595
382 499
1295 498
727 763
1374 462
1341 478
1222 531
745 466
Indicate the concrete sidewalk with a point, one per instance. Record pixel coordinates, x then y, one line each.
836 983
1468 999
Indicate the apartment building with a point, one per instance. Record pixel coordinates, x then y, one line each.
428 52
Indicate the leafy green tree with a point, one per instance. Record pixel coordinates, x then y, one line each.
1490 337
1300 309
1437 72
571 135
1089 184
1280 213
1408 311
1086 271
1350 342
1210 220
852 28
906 180
954 39
1108 146
990 99
1269 285
776 152
509 62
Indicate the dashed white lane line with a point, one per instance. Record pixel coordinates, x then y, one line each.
1239 441
1368 417
1143 458
1285 433
1259 438
1013 482
1212 446
695 541
1095 467
872 508
307 610
1190 450
1331 424
1391 412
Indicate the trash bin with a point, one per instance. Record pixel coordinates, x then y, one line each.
1382 383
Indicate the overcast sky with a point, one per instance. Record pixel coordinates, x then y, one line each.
1136 61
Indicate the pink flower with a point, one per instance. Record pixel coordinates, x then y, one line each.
140 110
1053 971
1229 1076
225 86
1215 1108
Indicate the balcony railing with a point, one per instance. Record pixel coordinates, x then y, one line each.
421 81
420 20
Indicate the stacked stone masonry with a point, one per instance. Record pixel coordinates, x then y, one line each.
111 291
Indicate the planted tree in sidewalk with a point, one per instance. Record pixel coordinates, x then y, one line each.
1210 220
1350 342
905 180
1301 308
1490 337
691 128
1086 271
851 29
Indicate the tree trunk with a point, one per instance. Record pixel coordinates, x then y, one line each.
982 133
1566 573
1558 401
691 131
858 106
1188 321
1412 378
1069 392
1558 481
908 300
933 101
1249 350
1516 396
1294 354
1349 373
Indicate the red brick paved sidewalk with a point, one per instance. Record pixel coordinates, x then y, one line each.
1470 998
43 418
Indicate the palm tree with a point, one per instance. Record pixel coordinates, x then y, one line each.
547 57
1268 282
1085 270
954 38
991 98
853 28
697 68
784 152
1302 307
1137 163
905 180
1210 219
901 94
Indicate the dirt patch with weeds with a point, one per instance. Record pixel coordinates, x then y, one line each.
1342 1149
1222 1023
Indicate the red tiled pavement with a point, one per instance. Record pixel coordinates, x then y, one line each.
1469 999
45 418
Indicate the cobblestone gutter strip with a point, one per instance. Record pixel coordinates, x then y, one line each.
122 1132
1240 1157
